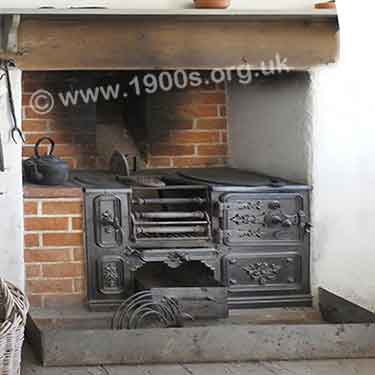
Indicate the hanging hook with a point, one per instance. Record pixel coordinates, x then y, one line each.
16 131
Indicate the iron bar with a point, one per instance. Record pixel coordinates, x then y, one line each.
169 229
147 201
190 222
171 215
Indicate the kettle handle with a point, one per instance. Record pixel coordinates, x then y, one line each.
37 144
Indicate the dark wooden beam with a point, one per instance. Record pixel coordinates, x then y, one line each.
164 42
9 25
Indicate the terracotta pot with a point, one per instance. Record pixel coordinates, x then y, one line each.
212 4
326 5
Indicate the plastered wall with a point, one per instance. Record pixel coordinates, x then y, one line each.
11 203
270 125
344 163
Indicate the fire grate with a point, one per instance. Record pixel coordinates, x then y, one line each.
170 215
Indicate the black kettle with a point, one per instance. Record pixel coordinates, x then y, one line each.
46 169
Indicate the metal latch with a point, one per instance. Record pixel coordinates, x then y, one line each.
303 222
219 209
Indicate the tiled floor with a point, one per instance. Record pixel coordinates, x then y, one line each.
342 367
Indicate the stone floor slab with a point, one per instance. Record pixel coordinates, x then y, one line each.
228 369
335 367
146 370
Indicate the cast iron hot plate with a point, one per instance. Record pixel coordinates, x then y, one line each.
230 176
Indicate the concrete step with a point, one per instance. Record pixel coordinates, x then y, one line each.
79 337
80 318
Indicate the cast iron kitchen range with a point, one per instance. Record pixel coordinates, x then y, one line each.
246 233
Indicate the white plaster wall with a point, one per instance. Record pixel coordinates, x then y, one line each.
11 202
344 163
158 4
270 126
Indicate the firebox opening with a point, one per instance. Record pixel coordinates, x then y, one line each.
190 274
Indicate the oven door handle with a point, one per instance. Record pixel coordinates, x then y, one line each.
129 251
303 222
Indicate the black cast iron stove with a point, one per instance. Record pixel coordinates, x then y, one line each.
249 232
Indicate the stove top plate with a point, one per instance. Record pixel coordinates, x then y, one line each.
231 177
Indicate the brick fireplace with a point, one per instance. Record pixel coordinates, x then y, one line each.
183 128
178 129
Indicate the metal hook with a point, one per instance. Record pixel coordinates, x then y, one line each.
15 130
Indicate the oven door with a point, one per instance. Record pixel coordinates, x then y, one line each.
268 278
107 237
264 271
256 219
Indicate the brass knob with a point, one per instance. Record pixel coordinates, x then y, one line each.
271 220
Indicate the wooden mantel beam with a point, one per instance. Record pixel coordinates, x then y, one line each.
9 25
117 42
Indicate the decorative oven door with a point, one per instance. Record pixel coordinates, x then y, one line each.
107 233
255 218
257 272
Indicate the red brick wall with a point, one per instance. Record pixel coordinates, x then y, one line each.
182 128
188 128
54 251
73 128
